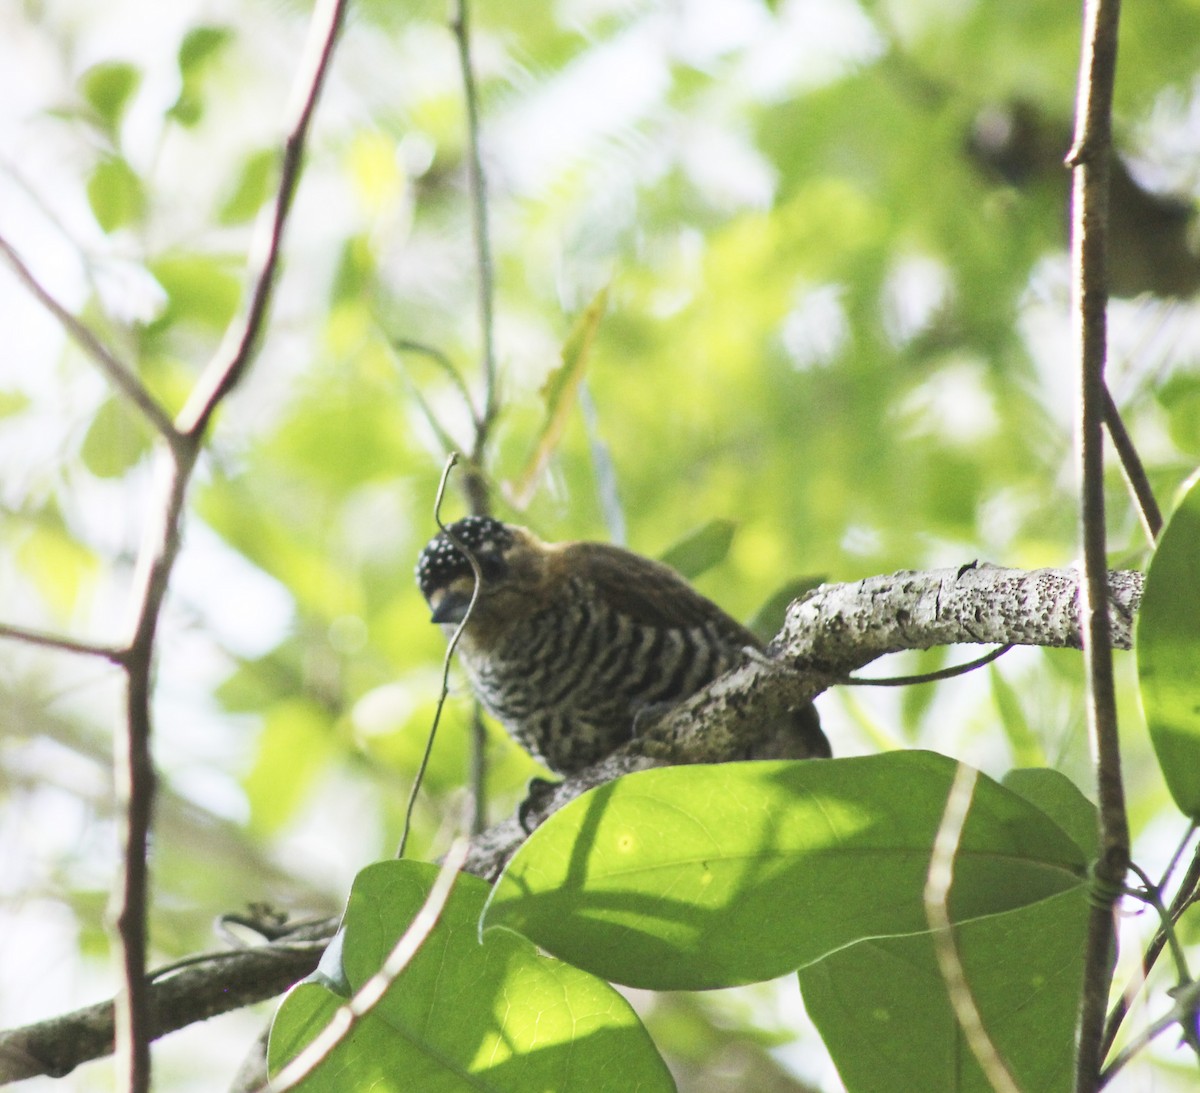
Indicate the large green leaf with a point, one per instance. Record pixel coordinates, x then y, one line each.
882 1007
466 1014
710 876
1060 799
1167 640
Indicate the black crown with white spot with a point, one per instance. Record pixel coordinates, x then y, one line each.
441 561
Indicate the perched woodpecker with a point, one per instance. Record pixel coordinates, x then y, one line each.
569 644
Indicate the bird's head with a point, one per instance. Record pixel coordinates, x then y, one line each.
511 564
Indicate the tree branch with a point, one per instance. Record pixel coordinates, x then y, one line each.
1135 472
1089 158
120 374
236 351
55 1047
831 632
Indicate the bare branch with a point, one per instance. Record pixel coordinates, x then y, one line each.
134 766
1135 472
134 775
239 345
63 644
1089 158
120 374
232 980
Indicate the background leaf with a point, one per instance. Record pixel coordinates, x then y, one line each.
700 550
108 87
115 194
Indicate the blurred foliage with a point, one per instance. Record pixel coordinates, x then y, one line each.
832 323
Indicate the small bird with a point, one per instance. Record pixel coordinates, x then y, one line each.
574 646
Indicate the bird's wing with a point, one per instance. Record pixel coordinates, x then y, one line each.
649 592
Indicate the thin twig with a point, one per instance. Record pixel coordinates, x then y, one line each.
476 485
1135 472
65 645
1152 895
238 347
1183 897
371 993
429 352
419 777
951 672
120 374
1186 1002
937 913
1089 158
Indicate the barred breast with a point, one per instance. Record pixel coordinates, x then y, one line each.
570 682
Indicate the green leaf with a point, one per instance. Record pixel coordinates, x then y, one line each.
108 87
700 550
768 619
1167 640
116 439
559 390
464 1014
882 1008
199 48
115 194
710 876
1060 799
200 45
201 289
251 187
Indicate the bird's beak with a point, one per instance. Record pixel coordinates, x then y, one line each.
450 607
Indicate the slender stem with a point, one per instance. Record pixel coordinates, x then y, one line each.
929 677
120 374
64 645
1184 1010
1089 158
444 693
1152 895
474 482
1135 472
1183 897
